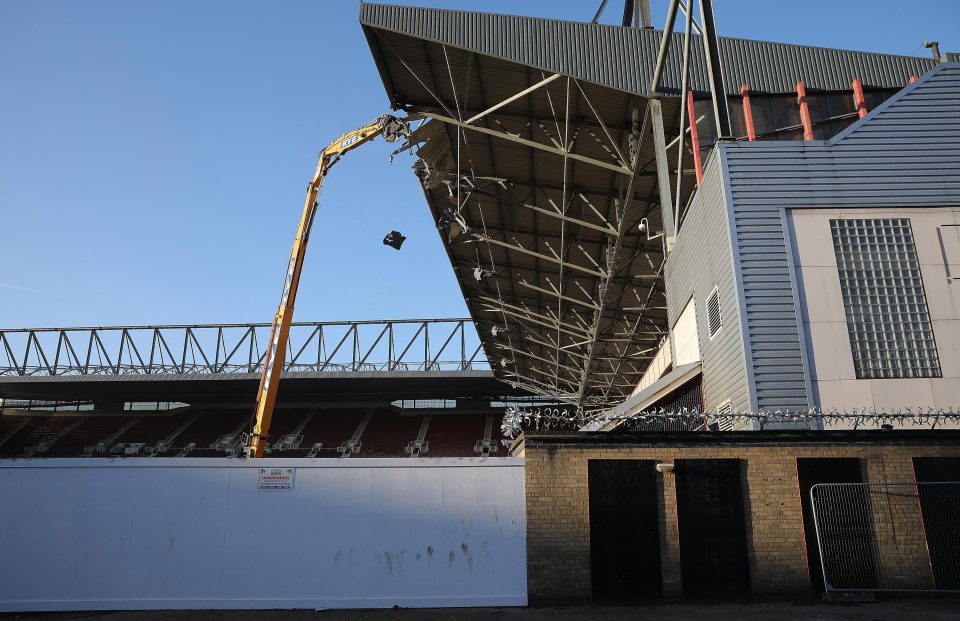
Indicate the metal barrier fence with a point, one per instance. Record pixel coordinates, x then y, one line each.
888 536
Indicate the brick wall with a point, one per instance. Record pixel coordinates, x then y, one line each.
558 526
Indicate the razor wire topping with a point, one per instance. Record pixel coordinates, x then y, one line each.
515 419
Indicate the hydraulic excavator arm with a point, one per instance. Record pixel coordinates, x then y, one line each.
392 129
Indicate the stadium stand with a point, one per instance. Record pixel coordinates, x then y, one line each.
9 427
210 428
321 432
152 428
87 434
286 430
330 428
454 435
388 433
38 435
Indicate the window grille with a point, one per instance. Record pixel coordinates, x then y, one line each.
888 321
714 318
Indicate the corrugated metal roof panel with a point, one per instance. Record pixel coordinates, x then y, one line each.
623 58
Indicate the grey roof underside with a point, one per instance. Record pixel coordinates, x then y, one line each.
511 195
624 58
904 154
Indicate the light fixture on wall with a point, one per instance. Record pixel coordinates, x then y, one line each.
665 468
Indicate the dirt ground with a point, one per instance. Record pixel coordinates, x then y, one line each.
925 610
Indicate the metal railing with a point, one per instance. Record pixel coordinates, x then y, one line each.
328 347
897 537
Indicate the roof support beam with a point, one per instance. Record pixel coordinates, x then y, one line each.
523 313
664 46
613 255
711 49
686 12
609 230
663 171
509 100
533 253
586 303
529 143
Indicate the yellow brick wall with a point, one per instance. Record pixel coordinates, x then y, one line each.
558 524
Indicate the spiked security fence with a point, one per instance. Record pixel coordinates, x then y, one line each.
559 416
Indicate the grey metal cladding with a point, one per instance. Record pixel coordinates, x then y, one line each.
623 58
905 154
700 261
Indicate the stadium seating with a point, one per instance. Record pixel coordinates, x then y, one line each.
210 434
152 428
206 430
454 435
8 424
388 433
331 428
93 429
37 435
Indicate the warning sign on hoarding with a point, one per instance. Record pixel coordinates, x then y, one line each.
276 479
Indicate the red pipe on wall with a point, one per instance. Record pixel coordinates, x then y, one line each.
748 113
694 137
858 99
804 112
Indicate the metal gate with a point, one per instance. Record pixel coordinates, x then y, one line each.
888 536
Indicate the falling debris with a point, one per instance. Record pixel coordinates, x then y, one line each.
394 239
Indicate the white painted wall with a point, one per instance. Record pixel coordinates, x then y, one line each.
79 534
835 384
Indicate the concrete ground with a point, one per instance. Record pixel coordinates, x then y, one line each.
927 610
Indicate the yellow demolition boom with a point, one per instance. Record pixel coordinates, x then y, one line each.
392 129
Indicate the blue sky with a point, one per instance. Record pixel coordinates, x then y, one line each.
154 155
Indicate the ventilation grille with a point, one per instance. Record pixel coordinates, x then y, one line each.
724 424
714 318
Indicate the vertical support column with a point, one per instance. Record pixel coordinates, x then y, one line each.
670 570
664 47
804 111
858 99
901 555
711 50
643 8
663 171
748 113
694 137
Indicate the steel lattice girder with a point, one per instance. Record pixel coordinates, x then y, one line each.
380 346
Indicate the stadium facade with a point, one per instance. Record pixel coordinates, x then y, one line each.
772 232
777 239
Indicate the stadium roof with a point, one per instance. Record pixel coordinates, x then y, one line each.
624 58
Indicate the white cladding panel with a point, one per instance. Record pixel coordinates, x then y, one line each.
87 534
685 338
834 378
